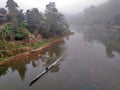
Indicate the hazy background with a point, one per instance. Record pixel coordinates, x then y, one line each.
65 6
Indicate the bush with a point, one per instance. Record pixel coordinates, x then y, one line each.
1 59
2 44
19 36
8 27
8 32
22 34
23 24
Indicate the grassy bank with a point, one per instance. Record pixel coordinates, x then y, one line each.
9 49
32 54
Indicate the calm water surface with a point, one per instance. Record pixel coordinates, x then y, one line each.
91 61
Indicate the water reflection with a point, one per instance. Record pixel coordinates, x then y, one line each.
20 64
51 56
108 37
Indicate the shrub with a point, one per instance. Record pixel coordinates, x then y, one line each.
1 59
22 34
2 44
8 27
19 37
23 24
8 32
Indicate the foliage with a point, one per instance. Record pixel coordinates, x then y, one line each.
19 37
55 20
33 18
39 44
2 44
13 12
49 24
21 17
1 59
23 24
7 32
22 34
8 27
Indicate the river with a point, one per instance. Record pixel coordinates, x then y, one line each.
91 61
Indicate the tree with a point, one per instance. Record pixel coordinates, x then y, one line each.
55 20
34 19
13 12
21 17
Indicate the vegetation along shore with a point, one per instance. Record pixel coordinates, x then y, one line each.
22 31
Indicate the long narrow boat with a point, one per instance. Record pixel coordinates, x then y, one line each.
45 71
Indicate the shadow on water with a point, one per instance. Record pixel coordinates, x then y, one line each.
49 55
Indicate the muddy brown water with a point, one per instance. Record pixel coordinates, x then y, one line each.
91 61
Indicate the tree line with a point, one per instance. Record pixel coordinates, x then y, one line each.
105 14
21 24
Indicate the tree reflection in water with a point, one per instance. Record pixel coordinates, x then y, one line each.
108 37
49 55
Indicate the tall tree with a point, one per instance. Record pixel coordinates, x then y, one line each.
34 18
21 16
55 20
13 12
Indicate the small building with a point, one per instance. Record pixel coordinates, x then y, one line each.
3 18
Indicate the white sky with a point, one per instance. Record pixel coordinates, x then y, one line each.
65 6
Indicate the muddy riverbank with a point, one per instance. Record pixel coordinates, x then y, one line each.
32 54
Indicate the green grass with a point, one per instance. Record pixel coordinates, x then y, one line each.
42 43
1 59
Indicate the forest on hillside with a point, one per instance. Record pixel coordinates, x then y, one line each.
107 13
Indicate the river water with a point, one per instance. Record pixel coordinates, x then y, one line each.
91 61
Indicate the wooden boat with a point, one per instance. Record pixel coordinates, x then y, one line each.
45 71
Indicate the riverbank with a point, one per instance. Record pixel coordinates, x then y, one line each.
37 52
117 27
111 27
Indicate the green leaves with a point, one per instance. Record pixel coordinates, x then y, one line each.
8 27
13 12
23 24
55 20
1 59
2 44
19 36
7 32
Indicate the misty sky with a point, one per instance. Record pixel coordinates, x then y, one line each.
65 6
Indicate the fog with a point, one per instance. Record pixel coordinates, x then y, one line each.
65 6
106 13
